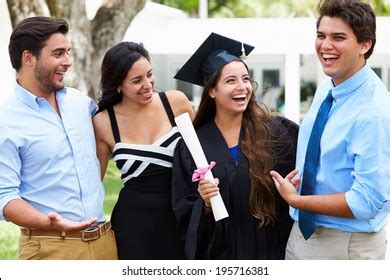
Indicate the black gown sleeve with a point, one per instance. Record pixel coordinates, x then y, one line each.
188 205
285 137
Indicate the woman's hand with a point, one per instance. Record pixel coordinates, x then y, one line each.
208 189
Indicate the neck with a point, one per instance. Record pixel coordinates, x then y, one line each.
356 69
129 107
228 121
230 126
29 84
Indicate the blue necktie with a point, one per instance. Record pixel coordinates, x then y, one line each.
306 219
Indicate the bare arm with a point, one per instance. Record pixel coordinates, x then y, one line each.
325 204
23 214
103 150
180 103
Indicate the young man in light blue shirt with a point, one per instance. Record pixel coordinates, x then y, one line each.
348 200
49 174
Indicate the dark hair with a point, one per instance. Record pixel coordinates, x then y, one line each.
255 145
31 34
359 16
116 63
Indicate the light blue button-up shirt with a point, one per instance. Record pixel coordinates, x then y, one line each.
47 160
355 151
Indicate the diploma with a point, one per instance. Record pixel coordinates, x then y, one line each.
188 133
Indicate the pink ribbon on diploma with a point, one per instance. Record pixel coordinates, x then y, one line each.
201 171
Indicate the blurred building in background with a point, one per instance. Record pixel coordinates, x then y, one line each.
283 63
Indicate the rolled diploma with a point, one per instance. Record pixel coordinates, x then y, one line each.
184 124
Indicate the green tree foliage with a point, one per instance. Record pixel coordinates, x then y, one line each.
90 38
381 7
262 8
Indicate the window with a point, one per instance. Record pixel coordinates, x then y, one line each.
186 88
251 73
378 71
271 78
388 79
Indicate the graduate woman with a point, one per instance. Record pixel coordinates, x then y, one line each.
246 143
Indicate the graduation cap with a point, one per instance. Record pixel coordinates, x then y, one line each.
215 52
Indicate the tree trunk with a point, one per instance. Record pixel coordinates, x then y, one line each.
89 38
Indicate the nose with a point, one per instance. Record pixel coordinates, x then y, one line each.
67 60
148 83
327 43
241 84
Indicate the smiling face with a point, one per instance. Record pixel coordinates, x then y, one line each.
233 89
52 63
139 82
340 54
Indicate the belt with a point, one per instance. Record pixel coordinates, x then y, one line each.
89 234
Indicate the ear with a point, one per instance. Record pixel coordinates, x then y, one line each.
365 46
28 58
212 93
118 89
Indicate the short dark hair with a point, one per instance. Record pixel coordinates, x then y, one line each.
116 63
31 34
358 15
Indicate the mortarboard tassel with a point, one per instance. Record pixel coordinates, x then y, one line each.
243 55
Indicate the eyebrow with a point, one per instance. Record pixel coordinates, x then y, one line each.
333 34
60 50
139 76
228 77
233 76
339 34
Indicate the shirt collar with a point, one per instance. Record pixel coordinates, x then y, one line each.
350 85
29 98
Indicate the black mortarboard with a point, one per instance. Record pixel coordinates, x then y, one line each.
215 52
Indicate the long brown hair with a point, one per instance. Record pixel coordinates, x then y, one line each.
255 145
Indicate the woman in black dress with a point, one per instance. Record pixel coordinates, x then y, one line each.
135 125
246 143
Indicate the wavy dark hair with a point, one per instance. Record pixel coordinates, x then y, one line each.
358 15
116 63
31 34
255 145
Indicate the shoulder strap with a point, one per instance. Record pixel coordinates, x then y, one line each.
167 108
114 125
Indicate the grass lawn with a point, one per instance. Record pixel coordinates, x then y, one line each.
9 233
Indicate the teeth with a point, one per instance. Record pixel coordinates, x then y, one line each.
329 56
240 96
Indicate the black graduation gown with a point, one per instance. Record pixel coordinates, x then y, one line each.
238 236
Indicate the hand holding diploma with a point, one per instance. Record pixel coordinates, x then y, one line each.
188 133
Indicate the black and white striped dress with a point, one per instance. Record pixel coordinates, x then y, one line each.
143 220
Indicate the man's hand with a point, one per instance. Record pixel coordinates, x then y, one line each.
59 223
287 187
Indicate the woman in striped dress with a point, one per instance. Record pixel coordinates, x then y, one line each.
135 126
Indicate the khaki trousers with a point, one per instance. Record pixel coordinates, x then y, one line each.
103 248
331 244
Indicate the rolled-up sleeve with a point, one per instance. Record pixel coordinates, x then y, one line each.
10 166
370 192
